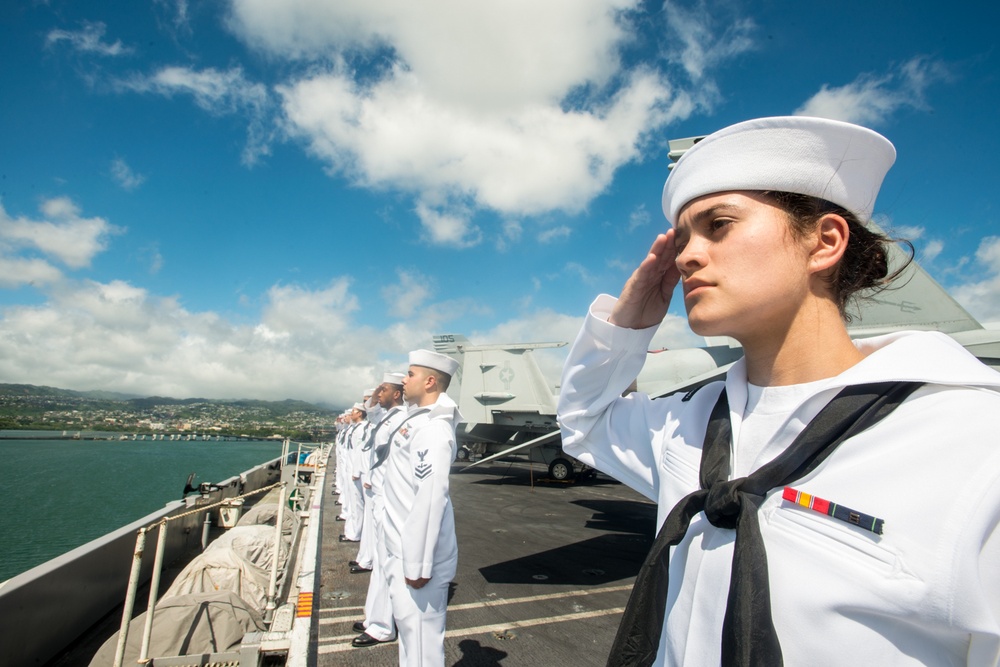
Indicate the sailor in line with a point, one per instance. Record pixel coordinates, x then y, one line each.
365 559
421 547
378 625
340 472
356 439
757 561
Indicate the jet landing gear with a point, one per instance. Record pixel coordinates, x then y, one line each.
561 470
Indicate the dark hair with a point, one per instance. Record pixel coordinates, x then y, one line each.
443 379
865 264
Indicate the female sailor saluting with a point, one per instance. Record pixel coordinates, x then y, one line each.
832 501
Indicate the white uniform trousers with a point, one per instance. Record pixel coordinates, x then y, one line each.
355 510
420 616
341 486
366 550
378 608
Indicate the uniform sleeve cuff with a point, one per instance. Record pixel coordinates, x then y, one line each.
612 336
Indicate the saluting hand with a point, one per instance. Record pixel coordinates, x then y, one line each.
646 296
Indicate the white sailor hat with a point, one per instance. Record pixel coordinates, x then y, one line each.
361 407
829 159
435 360
393 378
369 392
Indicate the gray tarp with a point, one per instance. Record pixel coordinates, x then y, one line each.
238 561
267 514
187 625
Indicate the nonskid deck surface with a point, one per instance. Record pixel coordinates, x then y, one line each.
544 572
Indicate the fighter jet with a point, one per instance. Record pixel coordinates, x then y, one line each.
506 401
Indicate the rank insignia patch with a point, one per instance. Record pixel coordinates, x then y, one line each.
422 469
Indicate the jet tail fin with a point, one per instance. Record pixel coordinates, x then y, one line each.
913 301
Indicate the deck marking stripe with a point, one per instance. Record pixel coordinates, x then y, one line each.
330 610
500 601
304 605
465 632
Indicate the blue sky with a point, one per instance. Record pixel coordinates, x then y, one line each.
280 199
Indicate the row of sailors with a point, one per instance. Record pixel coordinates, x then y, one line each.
394 453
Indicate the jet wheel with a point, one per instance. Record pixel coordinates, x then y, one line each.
561 470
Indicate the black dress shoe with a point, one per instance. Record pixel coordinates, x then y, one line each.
357 569
359 626
339 519
344 539
365 639
352 563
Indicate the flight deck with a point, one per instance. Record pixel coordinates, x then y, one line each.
544 571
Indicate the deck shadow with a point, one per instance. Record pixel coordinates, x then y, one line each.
623 516
475 654
512 475
599 560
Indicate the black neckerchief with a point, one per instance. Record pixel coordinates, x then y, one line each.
748 636
371 437
382 451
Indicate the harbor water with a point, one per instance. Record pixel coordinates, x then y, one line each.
60 494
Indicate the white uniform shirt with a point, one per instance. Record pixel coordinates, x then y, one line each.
357 457
381 433
419 519
927 591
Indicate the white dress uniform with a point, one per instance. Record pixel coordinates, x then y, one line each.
420 529
356 511
378 608
340 486
366 549
925 592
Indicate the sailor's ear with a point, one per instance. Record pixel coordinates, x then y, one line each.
829 242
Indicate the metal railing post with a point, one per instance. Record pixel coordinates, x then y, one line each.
133 584
204 530
298 457
154 591
272 585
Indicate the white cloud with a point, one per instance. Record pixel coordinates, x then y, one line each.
639 217
124 175
527 161
88 40
217 92
17 271
585 276
295 311
982 297
178 14
554 234
621 265
63 236
449 228
930 250
510 234
870 99
909 232
516 107
120 337
708 34
408 295
473 55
